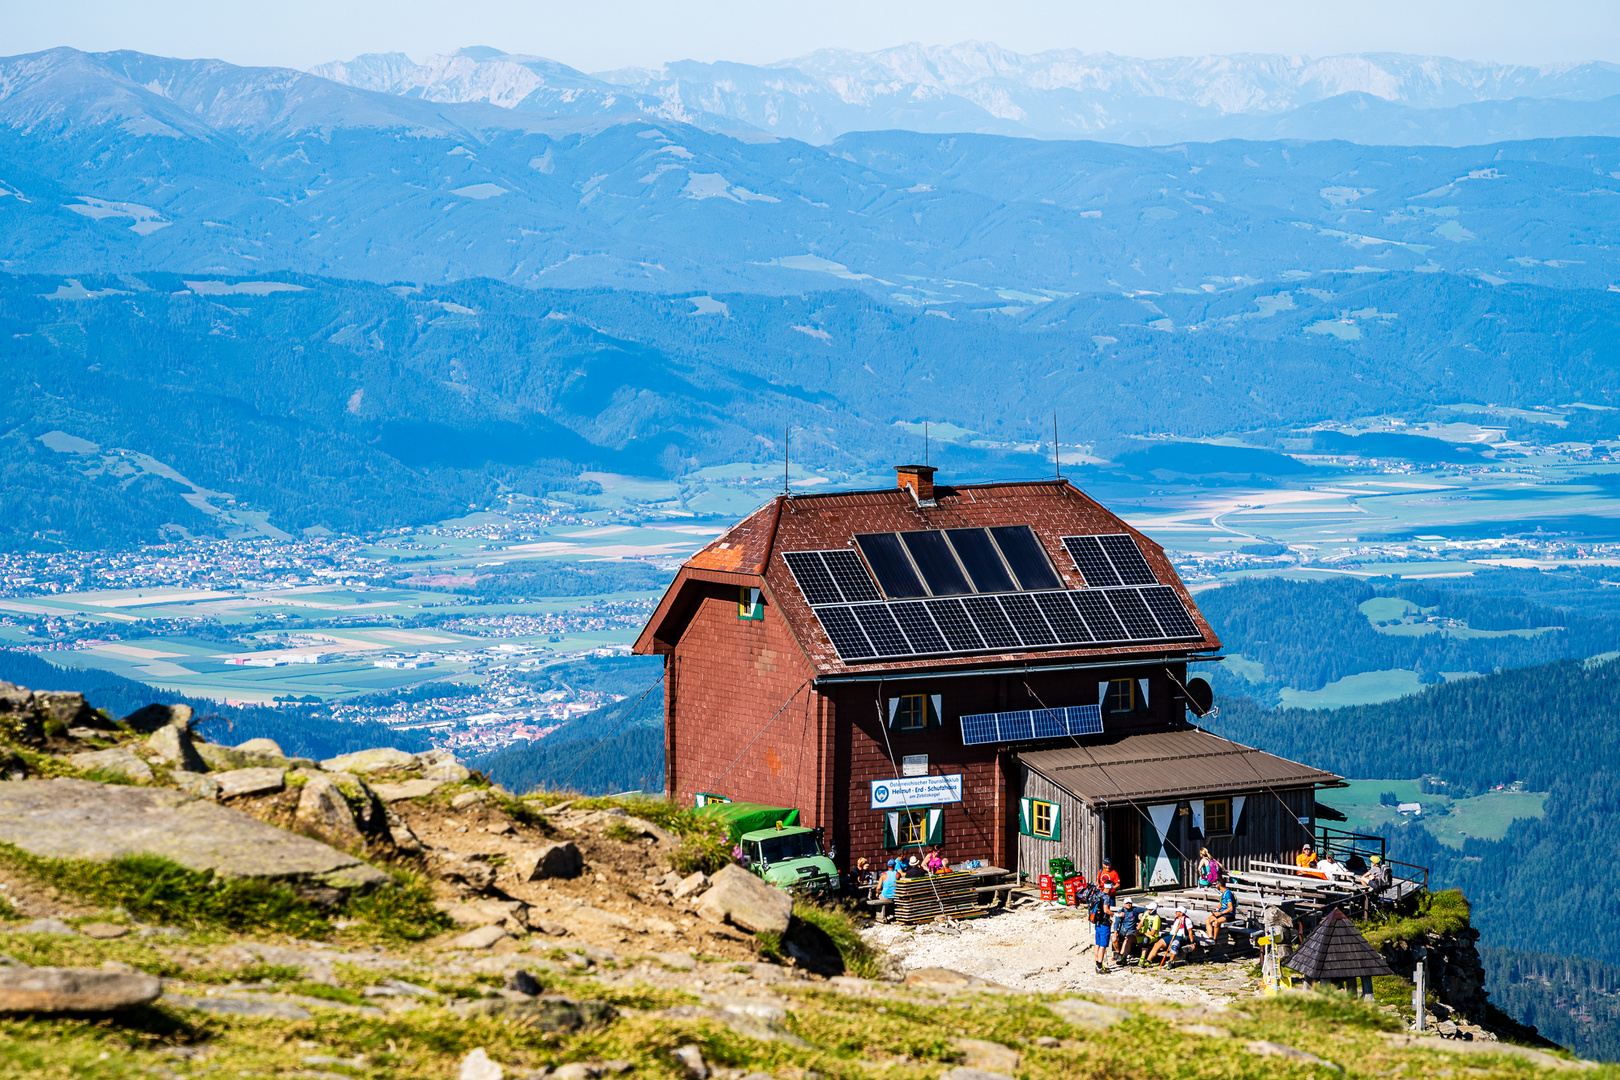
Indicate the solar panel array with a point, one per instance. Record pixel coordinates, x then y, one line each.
953 591
1106 561
1027 724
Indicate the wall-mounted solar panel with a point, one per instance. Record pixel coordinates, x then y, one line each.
811 574
953 621
1027 619
1027 557
918 627
981 560
1094 565
1025 725
1133 613
1171 612
1099 615
1127 559
845 633
851 576
893 569
991 622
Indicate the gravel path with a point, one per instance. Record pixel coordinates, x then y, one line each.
1030 949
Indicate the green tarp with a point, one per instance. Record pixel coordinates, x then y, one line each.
745 817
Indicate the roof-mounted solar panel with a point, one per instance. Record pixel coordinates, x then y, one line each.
1171 612
889 562
953 621
1099 615
1062 617
811 574
1027 619
981 560
991 622
1133 613
918 627
1127 559
881 630
1026 556
1094 566
937 562
853 580
845 633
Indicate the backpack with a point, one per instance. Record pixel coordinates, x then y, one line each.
1212 873
1096 909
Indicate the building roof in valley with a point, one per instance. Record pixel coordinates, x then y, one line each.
1177 764
916 578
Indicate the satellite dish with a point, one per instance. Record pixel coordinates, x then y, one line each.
1199 696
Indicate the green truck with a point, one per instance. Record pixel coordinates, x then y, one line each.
776 847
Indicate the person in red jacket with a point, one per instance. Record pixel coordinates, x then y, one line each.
1107 879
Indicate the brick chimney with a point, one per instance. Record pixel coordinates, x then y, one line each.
917 479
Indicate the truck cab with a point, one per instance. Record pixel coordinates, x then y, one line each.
790 857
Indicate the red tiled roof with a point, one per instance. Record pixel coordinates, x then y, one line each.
1052 508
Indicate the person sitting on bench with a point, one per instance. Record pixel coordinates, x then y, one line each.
1225 913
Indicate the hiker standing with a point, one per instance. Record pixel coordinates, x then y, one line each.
1100 910
1209 870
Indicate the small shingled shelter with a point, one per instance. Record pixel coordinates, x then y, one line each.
1336 951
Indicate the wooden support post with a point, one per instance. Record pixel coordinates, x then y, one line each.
1420 989
1367 987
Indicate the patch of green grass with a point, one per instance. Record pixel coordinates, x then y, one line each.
400 911
622 833
326 992
276 973
1437 913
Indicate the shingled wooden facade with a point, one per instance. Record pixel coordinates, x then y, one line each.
760 704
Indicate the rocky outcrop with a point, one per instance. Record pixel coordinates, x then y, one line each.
51 990
76 819
118 761
172 745
561 860
27 716
1452 968
154 717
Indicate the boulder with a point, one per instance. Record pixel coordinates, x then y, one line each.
250 782
1087 1014
118 761
442 765
469 798
201 785
560 860
473 873
173 745
103 931
690 1057
223 758
322 808
477 1066
369 761
47 990
238 1006
966 1072
12 765
691 885
46 926
262 746
512 913
19 722
76 819
989 1056
746 901
544 1014
65 709
407 789
481 938
152 717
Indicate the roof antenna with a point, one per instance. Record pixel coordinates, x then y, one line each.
786 430
1057 458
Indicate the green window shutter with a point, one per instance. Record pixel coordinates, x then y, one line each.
936 826
1057 821
936 714
1026 817
891 830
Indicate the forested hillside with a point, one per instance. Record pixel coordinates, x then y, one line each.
1310 633
352 406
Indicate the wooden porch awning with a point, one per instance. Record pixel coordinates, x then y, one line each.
1184 763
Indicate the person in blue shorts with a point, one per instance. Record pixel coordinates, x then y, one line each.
1102 922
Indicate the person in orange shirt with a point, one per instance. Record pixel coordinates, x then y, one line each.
1107 878
1306 861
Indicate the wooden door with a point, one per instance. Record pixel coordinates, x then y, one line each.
1123 845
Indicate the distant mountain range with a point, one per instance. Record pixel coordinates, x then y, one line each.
122 162
1384 98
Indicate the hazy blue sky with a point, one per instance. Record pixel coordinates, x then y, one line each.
599 34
